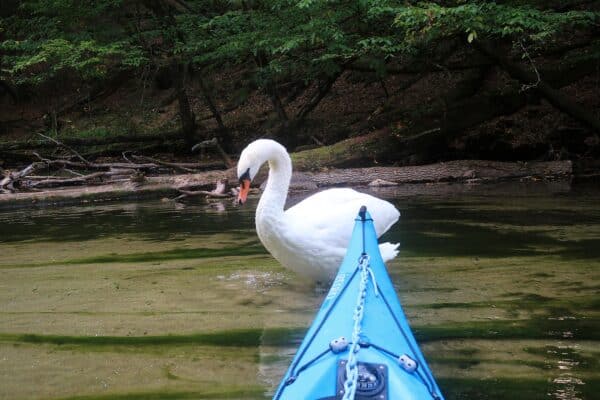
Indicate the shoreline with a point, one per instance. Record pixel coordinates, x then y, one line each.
431 178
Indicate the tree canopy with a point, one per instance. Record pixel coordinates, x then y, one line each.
275 41
306 39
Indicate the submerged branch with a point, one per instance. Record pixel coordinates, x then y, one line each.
219 191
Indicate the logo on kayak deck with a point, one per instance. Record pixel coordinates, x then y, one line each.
336 286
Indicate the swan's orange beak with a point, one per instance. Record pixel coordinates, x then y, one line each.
244 189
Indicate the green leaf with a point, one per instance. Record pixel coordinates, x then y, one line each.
472 36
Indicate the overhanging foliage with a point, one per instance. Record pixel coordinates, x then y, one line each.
283 39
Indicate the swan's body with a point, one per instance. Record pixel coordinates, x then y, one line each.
311 237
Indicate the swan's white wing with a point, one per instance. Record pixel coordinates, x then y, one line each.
328 216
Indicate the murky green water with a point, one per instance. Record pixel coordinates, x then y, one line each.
159 300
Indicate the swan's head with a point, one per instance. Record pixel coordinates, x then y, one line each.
251 159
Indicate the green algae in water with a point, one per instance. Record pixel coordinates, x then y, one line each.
232 394
234 338
175 254
577 361
517 329
530 389
501 292
243 337
168 255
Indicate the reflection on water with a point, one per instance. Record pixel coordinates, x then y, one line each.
179 300
149 220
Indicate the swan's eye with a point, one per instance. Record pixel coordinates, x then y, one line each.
245 176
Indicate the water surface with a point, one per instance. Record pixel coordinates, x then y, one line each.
161 300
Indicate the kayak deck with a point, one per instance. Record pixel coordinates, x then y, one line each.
379 348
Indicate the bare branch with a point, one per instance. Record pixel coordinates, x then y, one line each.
525 87
64 146
220 191
165 163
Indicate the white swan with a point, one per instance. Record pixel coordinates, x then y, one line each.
311 237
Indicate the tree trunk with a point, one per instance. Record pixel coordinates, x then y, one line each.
271 90
211 105
287 133
188 120
277 104
555 97
225 139
322 90
6 87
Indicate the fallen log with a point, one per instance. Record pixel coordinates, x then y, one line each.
451 171
151 163
127 171
103 166
467 171
78 180
11 179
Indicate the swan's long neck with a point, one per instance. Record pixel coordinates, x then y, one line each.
273 198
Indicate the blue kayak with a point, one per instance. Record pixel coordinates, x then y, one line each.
360 345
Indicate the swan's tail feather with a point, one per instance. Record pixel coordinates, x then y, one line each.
388 250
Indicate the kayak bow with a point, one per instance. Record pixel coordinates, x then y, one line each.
360 345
